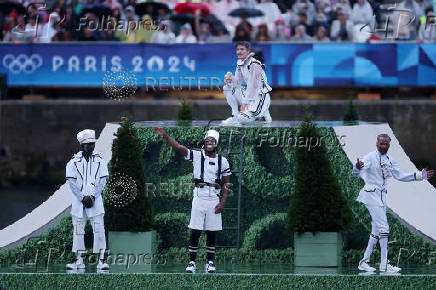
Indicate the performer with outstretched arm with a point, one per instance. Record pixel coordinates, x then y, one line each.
375 168
212 177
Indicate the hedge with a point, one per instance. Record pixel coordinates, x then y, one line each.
216 281
164 165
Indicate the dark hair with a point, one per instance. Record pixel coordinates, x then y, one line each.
246 44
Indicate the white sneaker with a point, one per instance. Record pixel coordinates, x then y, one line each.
210 267
230 121
102 265
388 268
190 268
364 266
77 264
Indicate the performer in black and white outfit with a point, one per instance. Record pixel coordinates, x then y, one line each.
251 103
211 177
86 173
375 168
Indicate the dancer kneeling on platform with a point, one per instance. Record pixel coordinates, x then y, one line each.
375 169
251 103
211 177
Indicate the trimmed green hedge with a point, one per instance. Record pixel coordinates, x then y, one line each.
265 193
216 281
268 232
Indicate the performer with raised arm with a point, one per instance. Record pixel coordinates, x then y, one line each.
375 168
212 177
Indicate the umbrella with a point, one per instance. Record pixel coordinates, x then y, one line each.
246 12
6 8
97 9
213 21
190 8
150 8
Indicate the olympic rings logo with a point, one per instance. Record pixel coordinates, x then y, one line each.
22 63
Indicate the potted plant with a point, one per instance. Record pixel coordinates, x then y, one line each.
318 211
129 214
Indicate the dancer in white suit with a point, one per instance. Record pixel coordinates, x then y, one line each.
375 168
86 173
250 103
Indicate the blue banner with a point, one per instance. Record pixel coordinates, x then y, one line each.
287 65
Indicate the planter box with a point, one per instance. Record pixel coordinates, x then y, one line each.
132 249
324 249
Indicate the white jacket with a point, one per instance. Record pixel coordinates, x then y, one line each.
250 70
86 178
377 169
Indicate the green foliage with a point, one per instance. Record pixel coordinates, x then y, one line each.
184 114
127 160
216 281
264 193
268 232
318 204
172 229
351 117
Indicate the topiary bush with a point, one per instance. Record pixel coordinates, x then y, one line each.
171 225
268 233
351 117
132 215
317 203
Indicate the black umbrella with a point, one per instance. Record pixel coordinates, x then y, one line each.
150 8
213 21
97 9
6 8
246 12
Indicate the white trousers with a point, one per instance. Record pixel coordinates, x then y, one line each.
257 109
97 223
379 233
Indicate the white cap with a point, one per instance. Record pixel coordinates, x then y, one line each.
214 134
86 136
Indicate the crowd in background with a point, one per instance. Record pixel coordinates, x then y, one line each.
283 21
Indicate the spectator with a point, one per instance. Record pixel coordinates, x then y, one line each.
362 13
61 33
186 35
427 31
306 7
110 34
300 34
345 7
302 20
245 24
48 30
164 34
321 35
241 34
341 29
33 29
113 4
87 35
262 33
281 32
77 7
320 21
